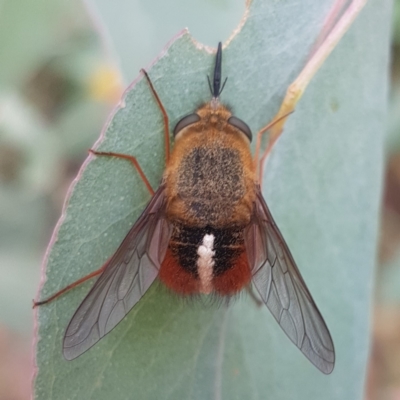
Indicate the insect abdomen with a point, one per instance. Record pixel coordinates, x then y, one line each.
204 260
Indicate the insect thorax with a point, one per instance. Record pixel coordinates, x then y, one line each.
210 182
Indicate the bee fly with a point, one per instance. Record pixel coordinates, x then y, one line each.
207 229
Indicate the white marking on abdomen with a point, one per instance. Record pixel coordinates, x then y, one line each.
205 263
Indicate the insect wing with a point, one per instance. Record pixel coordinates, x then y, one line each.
128 275
283 290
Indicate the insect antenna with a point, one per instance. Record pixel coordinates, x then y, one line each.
216 89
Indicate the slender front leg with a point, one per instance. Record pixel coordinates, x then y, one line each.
164 113
317 58
262 131
131 159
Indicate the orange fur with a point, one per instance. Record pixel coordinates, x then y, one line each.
212 129
212 132
235 278
180 281
176 278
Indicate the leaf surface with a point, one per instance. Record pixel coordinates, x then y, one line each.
322 184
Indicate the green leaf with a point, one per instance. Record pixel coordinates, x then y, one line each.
149 24
322 183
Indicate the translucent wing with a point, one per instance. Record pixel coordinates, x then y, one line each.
129 273
283 290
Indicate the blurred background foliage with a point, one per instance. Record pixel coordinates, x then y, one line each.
58 82
57 85
384 374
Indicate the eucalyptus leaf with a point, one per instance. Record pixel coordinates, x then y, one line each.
157 20
322 183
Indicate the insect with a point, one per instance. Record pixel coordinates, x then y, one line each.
207 229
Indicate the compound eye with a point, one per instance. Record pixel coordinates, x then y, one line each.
242 126
186 121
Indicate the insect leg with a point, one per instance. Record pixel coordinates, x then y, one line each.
164 113
326 42
71 286
133 159
130 158
136 164
262 131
